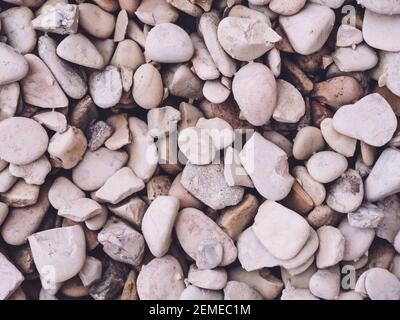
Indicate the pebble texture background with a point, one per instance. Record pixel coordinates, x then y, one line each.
199 149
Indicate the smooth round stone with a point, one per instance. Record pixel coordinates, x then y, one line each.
286 7
193 227
370 120
361 58
147 87
331 247
236 290
290 106
23 140
96 167
307 141
381 31
195 293
13 66
326 166
96 21
212 279
98 221
197 145
106 87
388 7
380 284
347 193
62 192
338 142
293 230
348 36
325 283
313 188
168 43
254 89
153 12
215 92
357 240
59 252
209 254
161 279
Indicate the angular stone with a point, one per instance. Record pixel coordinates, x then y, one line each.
62 192
290 106
132 210
390 224
91 271
331 247
52 120
367 215
11 278
60 18
21 195
81 209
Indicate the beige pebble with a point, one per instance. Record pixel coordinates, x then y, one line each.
193 227
14 66
162 121
390 224
106 87
361 58
98 221
380 284
325 283
91 271
63 191
128 54
21 195
9 100
132 210
286 7
96 167
214 279
158 222
121 26
308 141
60 252
290 106
234 173
7 180
326 166
161 278
119 186
81 209
331 247
197 146
121 135
153 12
121 242
236 290
338 142
215 91
105 22
11 278
280 140
348 36
313 188
182 82
52 120
186 200
40 88
202 61
32 173
297 294
271 178
67 148
3 212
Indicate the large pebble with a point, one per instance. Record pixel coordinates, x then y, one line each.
214 279
62 191
161 279
88 13
371 120
158 222
357 240
11 277
59 253
106 87
331 247
96 167
13 66
290 106
367 215
326 166
23 140
236 290
121 242
282 231
361 58
81 209
309 29
380 284
207 183
193 229
307 141
147 87
254 89
168 43
34 172
267 165
325 283
338 142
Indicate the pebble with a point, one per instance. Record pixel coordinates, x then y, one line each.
348 36
290 107
162 121
98 221
3 212
96 167
361 58
280 140
326 166
11 278
153 12
297 294
286 8
236 290
207 184
168 43
325 283
193 229
158 223
220 131
91 271
81 209
271 178
347 193
106 87
375 25
186 200
331 247
338 142
380 284
161 279
146 80
255 90
84 52
97 134
62 192
40 88
52 120
34 172
390 224
59 252
21 195
9 100
234 173
357 240
132 210
386 75
195 293
129 291
382 181
309 29
67 148
308 141
88 13
7 180
294 230
23 140
212 279
202 61
121 135
119 186
84 113
315 190
215 91
14 66
121 242
367 215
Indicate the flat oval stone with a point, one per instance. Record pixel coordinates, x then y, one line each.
326 166
338 142
290 106
371 120
106 87
193 227
13 66
168 43
361 58
388 7
331 247
161 278
96 167
147 87
380 284
325 283
307 141
23 140
59 252
254 89
282 231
